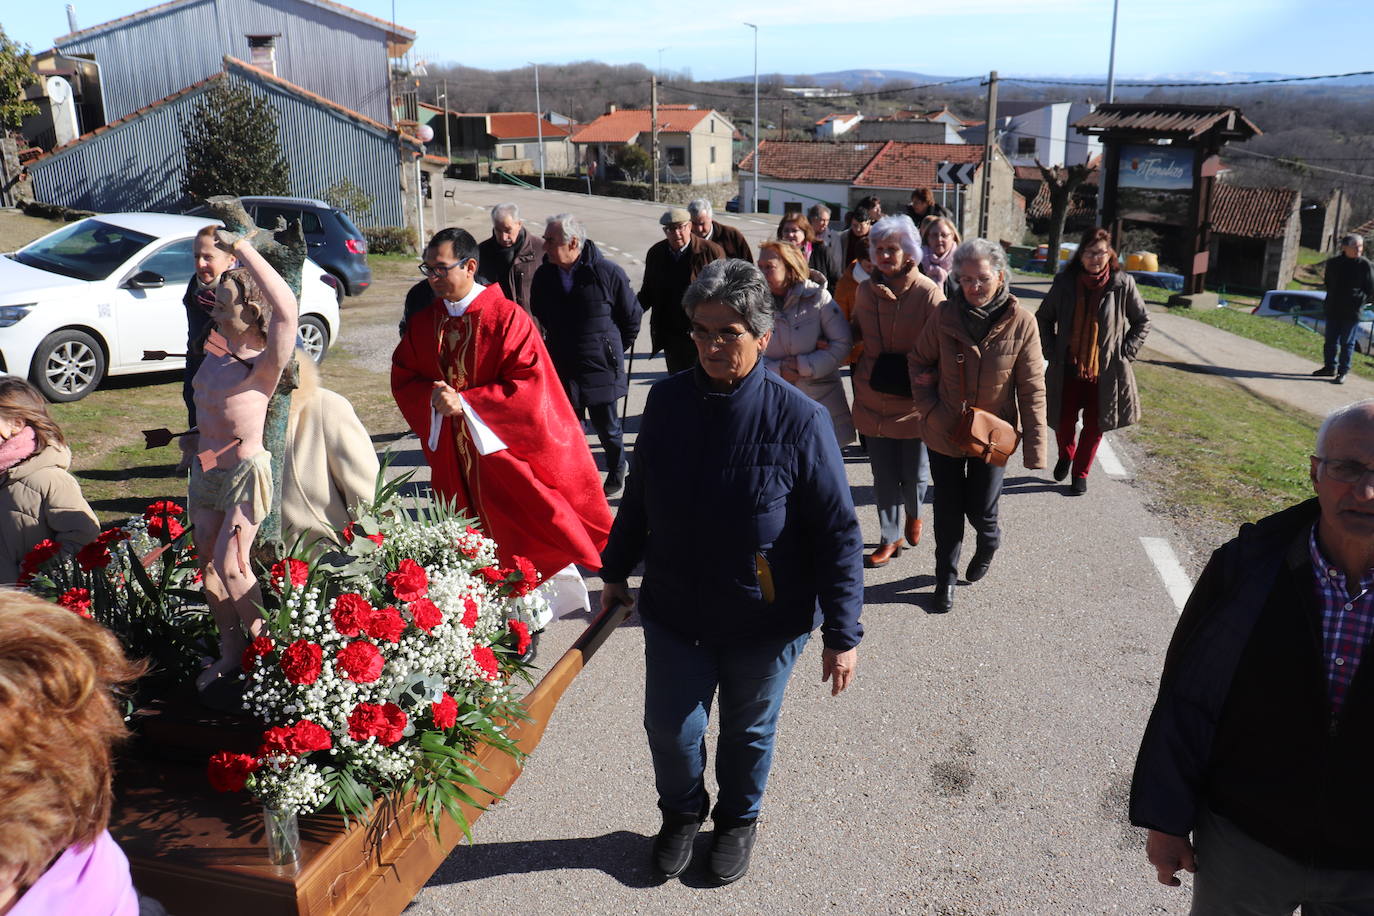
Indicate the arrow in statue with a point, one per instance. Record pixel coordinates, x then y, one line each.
955 173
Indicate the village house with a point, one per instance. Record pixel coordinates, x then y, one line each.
938 126
1040 131
695 143
832 125
1254 239
512 137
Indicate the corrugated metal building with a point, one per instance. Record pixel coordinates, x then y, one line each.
138 162
324 47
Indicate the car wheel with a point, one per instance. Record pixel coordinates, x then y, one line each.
67 366
314 337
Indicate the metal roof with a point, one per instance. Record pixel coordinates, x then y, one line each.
1184 121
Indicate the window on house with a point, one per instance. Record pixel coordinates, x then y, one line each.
1025 146
262 52
713 125
713 155
677 155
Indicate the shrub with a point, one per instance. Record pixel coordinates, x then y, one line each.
390 239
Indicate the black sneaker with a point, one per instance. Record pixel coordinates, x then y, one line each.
1079 487
1324 372
615 482
1061 469
1339 380
672 851
730 849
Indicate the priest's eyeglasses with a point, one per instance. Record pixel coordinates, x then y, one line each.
701 335
1346 471
437 270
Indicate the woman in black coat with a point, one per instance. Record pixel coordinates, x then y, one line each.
589 315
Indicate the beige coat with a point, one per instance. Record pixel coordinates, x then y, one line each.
39 499
809 316
888 323
330 464
1123 323
1004 375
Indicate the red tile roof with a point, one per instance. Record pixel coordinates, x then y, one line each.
1252 213
515 125
233 65
912 165
623 126
812 160
339 8
836 116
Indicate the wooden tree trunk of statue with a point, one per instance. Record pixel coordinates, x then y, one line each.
284 248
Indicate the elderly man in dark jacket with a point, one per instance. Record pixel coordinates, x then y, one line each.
1261 744
730 239
669 268
1349 285
590 317
738 507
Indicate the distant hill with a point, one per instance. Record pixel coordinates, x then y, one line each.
860 79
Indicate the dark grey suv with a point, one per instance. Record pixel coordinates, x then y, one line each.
334 242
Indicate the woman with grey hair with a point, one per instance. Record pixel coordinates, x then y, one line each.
891 308
738 507
982 350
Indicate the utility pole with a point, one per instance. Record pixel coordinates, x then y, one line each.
539 124
989 138
1111 97
783 134
756 116
653 135
448 158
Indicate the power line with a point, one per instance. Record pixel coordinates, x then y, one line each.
1134 85
1282 160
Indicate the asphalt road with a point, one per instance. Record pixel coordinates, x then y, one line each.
979 764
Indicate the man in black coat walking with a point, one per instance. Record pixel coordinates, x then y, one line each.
730 239
1349 287
670 267
589 315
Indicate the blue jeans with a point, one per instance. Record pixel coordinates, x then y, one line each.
901 471
606 421
680 679
1340 335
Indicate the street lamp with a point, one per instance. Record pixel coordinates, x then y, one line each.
660 60
539 124
756 115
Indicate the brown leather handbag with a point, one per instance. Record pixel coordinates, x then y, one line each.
980 433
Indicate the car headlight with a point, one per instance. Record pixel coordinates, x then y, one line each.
11 314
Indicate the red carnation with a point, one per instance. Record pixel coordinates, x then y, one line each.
350 610
41 553
77 600
228 772
409 582
297 569
493 575
529 577
165 527
93 556
384 624
256 650
426 614
360 662
297 740
162 507
386 723
301 662
486 661
522 635
445 712
112 536
469 613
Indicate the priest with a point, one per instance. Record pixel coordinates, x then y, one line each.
476 385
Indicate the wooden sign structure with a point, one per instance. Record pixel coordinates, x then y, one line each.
1159 165
202 852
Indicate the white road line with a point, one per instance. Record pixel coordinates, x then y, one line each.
1111 465
1170 570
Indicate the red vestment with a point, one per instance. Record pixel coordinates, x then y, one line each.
538 498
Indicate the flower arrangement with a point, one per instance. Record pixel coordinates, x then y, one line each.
141 580
383 666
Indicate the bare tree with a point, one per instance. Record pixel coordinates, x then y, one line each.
1061 181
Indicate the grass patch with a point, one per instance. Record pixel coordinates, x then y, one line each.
1220 453
1279 334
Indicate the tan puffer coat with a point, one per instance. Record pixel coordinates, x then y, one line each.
39 499
889 323
1004 375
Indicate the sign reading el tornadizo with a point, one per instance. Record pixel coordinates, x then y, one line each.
1154 183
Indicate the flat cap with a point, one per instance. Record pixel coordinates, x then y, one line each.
675 216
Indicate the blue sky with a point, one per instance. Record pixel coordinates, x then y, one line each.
1045 38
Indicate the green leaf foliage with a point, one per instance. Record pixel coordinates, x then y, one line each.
16 72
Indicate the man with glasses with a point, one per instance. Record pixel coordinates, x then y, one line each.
670 267
1261 743
476 385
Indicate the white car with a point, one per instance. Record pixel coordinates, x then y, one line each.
87 300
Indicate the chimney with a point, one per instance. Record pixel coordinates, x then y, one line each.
71 17
610 108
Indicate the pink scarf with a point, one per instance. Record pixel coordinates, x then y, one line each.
935 266
93 880
17 448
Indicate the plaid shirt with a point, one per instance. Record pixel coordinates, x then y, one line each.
1347 622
